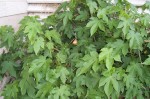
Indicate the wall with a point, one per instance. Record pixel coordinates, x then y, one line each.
43 8
11 11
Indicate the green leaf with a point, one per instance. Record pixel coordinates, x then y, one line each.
11 91
85 68
95 94
102 14
106 55
54 35
39 43
1 78
117 58
32 29
145 20
119 47
125 49
61 57
50 20
107 89
43 89
147 61
129 80
125 24
95 23
92 6
8 66
90 60
23 85
51 76
27 86
135 69
135 40
115 84
6 36
62 72
103 81
50 45
37 64
83 15
62 92
66 16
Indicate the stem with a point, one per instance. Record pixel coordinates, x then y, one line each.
3 83
56 49
140 56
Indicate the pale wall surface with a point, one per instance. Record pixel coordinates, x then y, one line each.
12 20
12 11
12 7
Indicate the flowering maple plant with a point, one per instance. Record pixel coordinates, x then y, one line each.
88 49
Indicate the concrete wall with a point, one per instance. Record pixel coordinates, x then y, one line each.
12 20
12 11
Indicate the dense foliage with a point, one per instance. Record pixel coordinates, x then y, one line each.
88 49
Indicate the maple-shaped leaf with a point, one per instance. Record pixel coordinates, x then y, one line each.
37 64
108 89
6 36
106 55
125 24
143 32
53 35
147 61
92 6
39 43
145 20
50 20
91 81
11 90
79 80
62 92
94 24
8 66
115 84
62 72
102 14
95 94
44 89
119 47
135 69
108 83
79 91
51 75
61 57
135 40
32 29
27 86
89 61
66 16
83 15
50 47
103 81
63 6
85 68
129 80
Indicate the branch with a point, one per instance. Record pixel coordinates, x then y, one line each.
3 83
